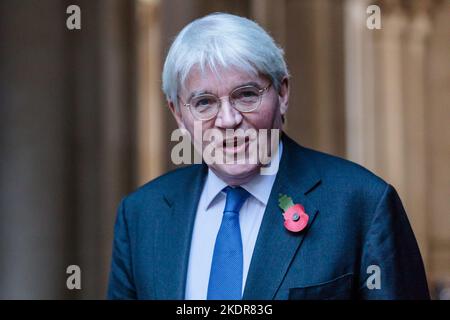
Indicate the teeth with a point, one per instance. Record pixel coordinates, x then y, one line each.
232 143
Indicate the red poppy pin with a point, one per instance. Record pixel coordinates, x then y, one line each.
295 217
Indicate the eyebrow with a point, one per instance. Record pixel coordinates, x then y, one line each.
201 92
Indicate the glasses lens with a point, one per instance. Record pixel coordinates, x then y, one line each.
204 106
246 99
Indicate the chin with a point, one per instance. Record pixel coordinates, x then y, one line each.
240 173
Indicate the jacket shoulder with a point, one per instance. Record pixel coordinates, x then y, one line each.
347 184
338 166
346 175
155 188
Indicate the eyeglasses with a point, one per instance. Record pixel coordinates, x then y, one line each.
244 99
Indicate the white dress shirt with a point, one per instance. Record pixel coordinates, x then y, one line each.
207 224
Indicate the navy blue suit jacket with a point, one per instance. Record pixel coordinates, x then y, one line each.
355 220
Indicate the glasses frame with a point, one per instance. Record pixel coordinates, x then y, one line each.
260 94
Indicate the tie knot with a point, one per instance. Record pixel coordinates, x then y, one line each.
235 199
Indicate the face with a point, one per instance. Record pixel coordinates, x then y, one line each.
268 115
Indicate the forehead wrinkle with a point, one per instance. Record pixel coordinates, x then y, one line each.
210 65
243 78
196 93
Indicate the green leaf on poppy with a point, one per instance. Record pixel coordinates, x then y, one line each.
285 202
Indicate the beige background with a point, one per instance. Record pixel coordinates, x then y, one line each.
83 120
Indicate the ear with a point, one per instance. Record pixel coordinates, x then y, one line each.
176 114
283 95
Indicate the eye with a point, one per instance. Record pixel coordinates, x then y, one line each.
246 95
203 102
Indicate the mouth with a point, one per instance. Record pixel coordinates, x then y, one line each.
235 145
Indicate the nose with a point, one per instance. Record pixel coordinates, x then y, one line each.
228 117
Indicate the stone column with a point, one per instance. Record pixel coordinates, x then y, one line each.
359 88
314 52
151 103
414 76
389 95
35 190
103 85
438 143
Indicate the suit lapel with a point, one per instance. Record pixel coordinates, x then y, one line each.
173 235
275 246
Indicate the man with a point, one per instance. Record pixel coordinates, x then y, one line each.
319 227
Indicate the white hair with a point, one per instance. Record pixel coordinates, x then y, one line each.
222 40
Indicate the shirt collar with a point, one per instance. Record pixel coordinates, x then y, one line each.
259 187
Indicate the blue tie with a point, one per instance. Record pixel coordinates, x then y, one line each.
225 279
